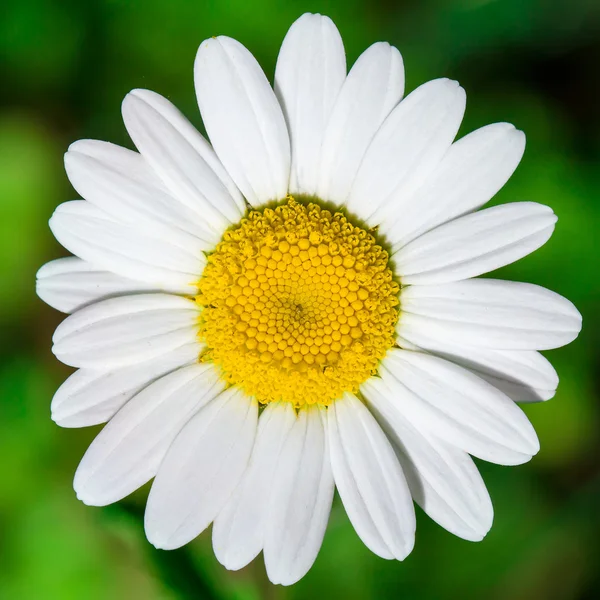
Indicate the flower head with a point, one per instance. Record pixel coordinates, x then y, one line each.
293 307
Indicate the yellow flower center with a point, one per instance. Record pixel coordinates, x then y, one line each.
298 305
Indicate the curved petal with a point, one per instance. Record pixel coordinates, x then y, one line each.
239 529
518 391
128 451
523 375
457 406
372 89
243 119
369 480
201 469
407 148
68 284
91 397
489 313
443 480
124 250
310 71
125 331
471 173
300 501
182 158
475 244
120 182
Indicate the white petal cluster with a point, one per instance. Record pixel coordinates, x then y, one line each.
466 348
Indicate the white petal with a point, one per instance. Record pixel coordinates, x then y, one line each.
120 182
91 397
516 390
125 331
310 71
471 172
406 149
442 479
238 531
122 249
300 500
369 479
182 158
128 451
459 407
523 375
243 119
475 244
372 89
70 283
489 313
201 469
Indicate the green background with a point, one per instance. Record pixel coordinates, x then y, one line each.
65 67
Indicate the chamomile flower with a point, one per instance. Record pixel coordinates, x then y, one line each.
293 307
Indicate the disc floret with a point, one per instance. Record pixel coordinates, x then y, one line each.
299 304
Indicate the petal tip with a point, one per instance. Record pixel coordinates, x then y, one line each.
43 272
231 561
139 93
132 100
81 146
84 495
518 134
156 541
63 422
446 82
160 542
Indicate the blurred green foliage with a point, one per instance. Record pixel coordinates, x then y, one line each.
66 66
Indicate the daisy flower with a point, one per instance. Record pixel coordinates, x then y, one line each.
293 307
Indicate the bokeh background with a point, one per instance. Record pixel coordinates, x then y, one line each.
67 64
